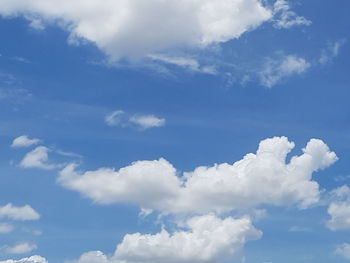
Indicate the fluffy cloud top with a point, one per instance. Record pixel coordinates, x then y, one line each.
24 141
257 179
208 240
38 158
20 248
122 28
339 209
32 259
276 70
18 213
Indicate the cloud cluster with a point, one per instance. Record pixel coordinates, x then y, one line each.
32 259
339 209
208 239
124 119
122 28
263 178
275 70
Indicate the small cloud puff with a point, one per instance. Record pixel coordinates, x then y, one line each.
123 119
37 158
24 141
21 213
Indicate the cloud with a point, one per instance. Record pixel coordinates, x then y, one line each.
18 213
20 248
339 209
123 119
343 250
184 62
32 259
38 158
285 17
24 141
208 239
258 179
121 28
275 70
147 121
331 52
5 228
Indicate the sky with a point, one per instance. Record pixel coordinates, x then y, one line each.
174 131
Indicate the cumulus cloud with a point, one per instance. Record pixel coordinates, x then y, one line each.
24 141
339 209
208 239
32 259
5 228
263 178
275 70
18 213
20 248
121 28
286 18
38 158
123 119
343 250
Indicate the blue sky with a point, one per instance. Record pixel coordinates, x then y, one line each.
114 115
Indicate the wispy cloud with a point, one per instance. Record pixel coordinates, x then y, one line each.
331 51
142 121
276 69
284 17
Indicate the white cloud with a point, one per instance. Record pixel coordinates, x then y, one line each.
37 158
32 259
18 213
121 28
275 70
20 248
285 17
331 52
343 250
24 141
147 121
258 179
209 239
123 119
6 228
184 62
339 209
